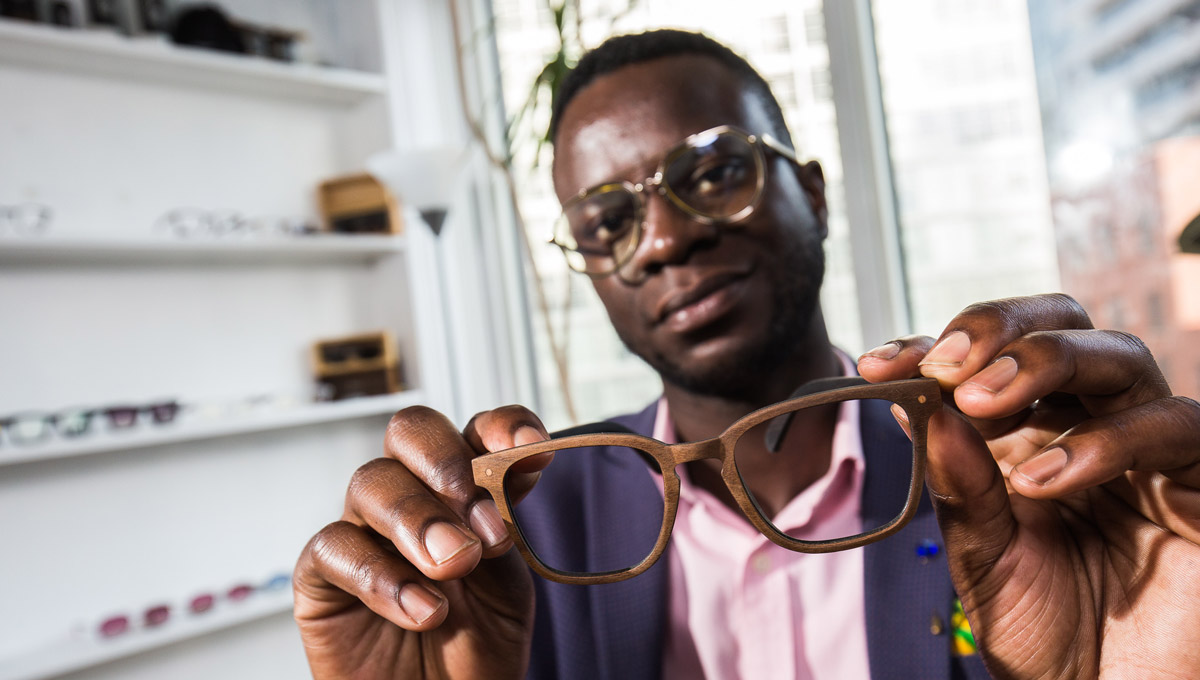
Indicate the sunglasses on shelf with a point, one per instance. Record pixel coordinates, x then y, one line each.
202 603
25 429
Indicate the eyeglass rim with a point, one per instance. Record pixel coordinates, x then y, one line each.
919 397
574 257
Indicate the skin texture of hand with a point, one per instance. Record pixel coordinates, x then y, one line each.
419 579
1066 481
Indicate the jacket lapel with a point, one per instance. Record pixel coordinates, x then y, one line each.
629 617
908 597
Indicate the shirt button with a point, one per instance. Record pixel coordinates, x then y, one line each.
761 563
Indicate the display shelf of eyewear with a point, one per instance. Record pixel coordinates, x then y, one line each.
322 247
187 429
155 60
89 645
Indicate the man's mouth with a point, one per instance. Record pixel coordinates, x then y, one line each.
702 303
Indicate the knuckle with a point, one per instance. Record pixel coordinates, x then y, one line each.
367 573
410 509
1051 343
414 423
329 545
366 474
504 415
1131 343
1185 414
1050 311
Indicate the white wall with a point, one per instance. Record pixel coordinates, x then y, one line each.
89 536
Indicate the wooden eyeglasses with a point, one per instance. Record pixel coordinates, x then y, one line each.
764 430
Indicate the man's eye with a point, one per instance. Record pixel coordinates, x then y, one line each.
603 230
717 177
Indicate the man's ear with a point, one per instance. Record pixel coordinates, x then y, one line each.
812 179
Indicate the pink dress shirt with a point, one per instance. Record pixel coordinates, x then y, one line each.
740 606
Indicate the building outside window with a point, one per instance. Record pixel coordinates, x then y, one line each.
1022 140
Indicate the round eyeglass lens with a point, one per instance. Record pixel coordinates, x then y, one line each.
601 228
821 511
73 423
579 480
717 176
30 428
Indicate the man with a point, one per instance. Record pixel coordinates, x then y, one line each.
1065 490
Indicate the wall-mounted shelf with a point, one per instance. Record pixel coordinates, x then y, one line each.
313 248
107 54
149 435
84 650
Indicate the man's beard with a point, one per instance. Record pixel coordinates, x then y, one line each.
739 376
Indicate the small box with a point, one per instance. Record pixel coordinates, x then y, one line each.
359 204
357 366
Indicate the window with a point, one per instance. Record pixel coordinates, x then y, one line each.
951 92
604 378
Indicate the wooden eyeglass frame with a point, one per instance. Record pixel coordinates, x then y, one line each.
919 397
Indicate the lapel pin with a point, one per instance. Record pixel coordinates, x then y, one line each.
927 550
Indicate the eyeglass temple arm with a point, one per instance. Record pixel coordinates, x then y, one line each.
777 430
780 148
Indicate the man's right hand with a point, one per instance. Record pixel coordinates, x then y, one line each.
419 579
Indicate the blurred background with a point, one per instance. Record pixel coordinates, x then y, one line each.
236 237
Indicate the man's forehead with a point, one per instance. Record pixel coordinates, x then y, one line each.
624 121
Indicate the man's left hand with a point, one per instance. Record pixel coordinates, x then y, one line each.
1066 481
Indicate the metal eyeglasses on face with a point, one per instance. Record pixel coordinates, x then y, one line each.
716 177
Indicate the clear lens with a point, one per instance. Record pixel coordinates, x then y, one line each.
73 423
717 176
602 227
29 429
818 513
585 543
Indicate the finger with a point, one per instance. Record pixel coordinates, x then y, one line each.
385 496
968 494
900 359
1108 370
895 360
973 338
1162 435
505 428
342 566
430 446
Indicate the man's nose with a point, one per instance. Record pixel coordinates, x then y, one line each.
669 236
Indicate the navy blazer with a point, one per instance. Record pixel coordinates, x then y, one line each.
600 504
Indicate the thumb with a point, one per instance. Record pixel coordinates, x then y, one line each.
969 497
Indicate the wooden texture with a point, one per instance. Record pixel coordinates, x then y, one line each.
919 397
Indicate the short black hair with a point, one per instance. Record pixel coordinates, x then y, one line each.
625 50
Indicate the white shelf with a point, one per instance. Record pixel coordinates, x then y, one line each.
185 430
87 649
312 248
107 54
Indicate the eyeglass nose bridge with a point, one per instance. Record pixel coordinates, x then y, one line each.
627 269
691 452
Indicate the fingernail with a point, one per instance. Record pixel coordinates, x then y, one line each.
444 541
888 351
902 418
487 524
996 376
951 351
527 434
1044 467
419 602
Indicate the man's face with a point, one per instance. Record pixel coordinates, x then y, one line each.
714 309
